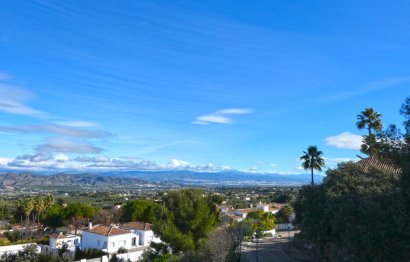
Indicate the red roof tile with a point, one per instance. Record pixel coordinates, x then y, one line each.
107 231
137 226
375 162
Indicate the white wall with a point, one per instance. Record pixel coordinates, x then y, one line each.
264 208
146 237
13 249
70 241
108 244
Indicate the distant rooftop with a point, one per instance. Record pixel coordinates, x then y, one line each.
375 162
137 226
62 236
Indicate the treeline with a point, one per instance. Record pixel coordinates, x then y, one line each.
361 213
188 221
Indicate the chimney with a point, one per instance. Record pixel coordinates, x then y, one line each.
90 225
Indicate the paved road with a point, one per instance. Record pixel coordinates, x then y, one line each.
270 250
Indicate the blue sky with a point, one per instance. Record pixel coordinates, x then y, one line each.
199 85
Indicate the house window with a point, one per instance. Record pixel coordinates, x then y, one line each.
98 242
134 241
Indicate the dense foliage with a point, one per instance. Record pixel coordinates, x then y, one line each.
29 254
185 219
261 221
358 214
140 210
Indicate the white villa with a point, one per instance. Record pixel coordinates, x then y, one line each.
143 232
108 238
57 241
131 236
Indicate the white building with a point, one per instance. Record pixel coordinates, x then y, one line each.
57 241
143 231
108 238
243 212
271 208
14 249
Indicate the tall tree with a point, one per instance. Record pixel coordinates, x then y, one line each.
370 120
26 206
312 160
39 206
405 111
185 219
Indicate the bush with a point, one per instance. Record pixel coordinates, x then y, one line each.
88 253
122 250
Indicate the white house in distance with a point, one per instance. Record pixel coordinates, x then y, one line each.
57 241
243 212
143 231
108 238
272 208
14 249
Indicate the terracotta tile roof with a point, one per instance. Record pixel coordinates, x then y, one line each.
247 210
107 231
137 225
61 236
383 165
234 217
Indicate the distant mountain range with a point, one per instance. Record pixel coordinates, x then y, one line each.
139 178
217 178
30 180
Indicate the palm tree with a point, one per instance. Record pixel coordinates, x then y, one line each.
370 120
312 160
49 200
39 206
27 206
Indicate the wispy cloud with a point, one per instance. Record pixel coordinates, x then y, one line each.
62 145
57 129
77 123
345 140
223 116
13 101
375 86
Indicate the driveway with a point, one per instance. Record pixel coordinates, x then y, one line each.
271 249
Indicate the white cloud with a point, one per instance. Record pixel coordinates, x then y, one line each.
175 163
273 165
62 145
5 160
222 116
57 129
78 123
345 140
60 161
12 101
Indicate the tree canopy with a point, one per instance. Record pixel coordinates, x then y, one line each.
185 219
361 214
